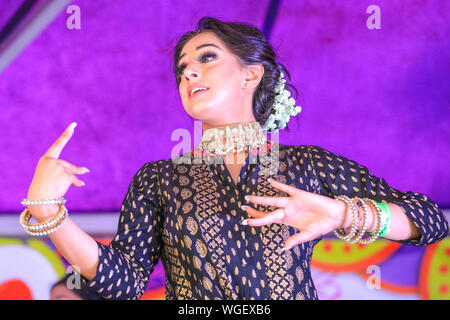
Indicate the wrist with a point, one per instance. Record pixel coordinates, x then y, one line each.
343 214
44 212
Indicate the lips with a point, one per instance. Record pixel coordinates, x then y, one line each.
194 86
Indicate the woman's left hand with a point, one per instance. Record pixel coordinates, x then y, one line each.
313 214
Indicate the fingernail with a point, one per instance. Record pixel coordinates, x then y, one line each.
244 207
269 179
73 124
247 198
286 248
244 222
82 183
86 169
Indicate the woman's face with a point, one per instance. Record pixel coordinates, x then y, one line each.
206 62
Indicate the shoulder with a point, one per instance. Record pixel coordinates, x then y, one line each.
307 151
152 169
303 148
292 150
319 156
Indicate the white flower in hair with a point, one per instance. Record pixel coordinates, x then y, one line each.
284 107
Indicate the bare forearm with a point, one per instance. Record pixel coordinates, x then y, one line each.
79 248
402 228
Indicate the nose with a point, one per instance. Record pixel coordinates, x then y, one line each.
189 73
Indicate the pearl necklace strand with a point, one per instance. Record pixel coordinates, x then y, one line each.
238 137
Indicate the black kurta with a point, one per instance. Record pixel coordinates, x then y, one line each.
188 215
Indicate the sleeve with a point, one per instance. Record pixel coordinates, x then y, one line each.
341 176
125 265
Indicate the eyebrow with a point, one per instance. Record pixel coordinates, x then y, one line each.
201 46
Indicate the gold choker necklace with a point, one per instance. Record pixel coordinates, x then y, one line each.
233 138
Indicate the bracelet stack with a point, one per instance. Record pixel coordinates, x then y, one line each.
365 221
45 228
360 211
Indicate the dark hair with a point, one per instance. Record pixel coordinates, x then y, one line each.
249 44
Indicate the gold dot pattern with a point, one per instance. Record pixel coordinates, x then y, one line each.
187 214
352 179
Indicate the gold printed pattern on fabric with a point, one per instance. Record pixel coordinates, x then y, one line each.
176 272
210 223
274 235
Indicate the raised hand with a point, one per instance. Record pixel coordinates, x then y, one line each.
313 214
53 177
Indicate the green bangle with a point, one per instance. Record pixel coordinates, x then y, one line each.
385 219
385 223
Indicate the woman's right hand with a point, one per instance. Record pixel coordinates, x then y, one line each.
53 177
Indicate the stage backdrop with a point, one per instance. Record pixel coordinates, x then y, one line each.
340 271
377 96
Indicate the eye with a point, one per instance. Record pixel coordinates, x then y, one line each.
205 56
208 55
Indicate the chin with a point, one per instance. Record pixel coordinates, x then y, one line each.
200 111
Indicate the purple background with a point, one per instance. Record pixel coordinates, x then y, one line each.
378 97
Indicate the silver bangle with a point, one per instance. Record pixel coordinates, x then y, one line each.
27 202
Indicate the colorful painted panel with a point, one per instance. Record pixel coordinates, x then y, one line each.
383 270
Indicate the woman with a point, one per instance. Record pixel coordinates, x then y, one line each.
194 212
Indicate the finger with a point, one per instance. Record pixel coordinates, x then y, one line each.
73 168
281 202
253 212
73 178
284 187
56 148
77 182
298 238
272 217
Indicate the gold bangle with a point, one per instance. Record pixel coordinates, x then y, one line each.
340 232
25 217
47 231
377 215
365 220
43 228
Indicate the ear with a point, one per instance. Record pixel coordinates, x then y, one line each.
253 75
